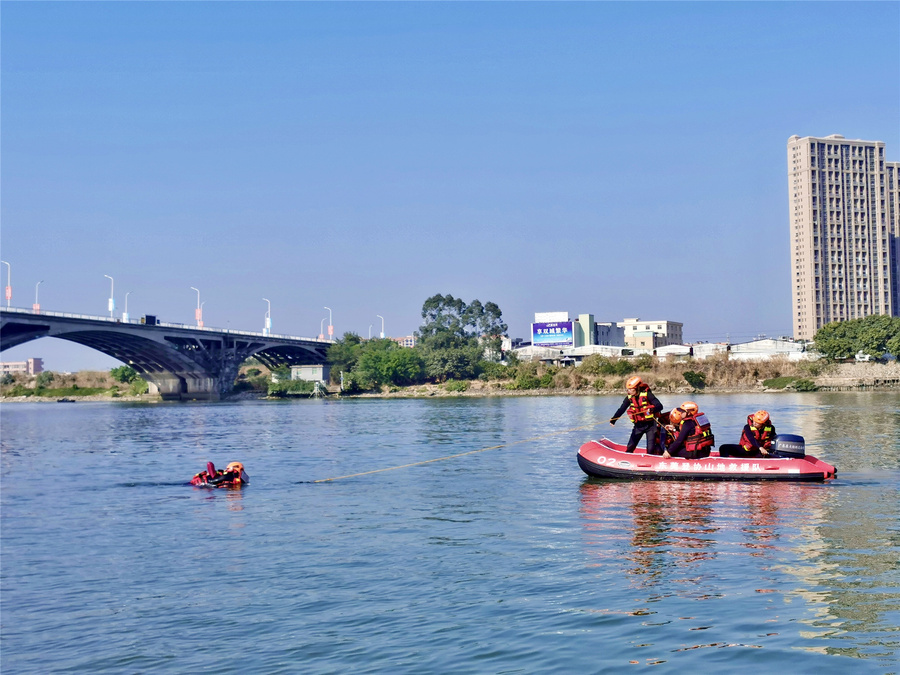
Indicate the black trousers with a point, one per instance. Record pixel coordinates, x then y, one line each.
690 454
735 450
641 428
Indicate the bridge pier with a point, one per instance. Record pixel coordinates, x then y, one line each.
181 387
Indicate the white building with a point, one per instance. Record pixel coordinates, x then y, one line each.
314 373
760 350
642 334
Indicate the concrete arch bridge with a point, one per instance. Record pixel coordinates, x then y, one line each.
178 361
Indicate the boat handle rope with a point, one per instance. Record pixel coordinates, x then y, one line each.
461 454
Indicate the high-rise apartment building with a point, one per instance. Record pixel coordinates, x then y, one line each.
845 227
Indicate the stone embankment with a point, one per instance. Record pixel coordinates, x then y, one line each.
860 376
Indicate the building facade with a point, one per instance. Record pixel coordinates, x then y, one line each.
844 231
642 334
27 367
405 341
892 178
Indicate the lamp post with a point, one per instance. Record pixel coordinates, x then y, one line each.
382 325
322 329
370 331
8 282
125 313
330 326
112 295
37 305
200 323
198 313
267 329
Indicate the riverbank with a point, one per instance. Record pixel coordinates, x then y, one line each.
833 377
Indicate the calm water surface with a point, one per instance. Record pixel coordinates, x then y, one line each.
508 560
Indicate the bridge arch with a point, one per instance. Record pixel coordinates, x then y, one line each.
177 361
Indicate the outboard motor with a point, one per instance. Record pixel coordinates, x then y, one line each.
789 445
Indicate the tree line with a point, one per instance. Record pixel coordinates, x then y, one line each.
875 335
456 341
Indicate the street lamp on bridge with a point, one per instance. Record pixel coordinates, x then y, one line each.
112 296
8 282
125 313
198 313
382 325
330 326
37 305
268 325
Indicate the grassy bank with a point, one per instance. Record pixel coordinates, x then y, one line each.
715 375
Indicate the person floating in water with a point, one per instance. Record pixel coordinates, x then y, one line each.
233 476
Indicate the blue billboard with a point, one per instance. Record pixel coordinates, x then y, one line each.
556 334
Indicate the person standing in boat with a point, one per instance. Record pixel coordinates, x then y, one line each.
643 408
694 438
756 438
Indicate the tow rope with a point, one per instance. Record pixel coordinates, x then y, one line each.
461 454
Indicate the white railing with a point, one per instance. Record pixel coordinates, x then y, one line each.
180 326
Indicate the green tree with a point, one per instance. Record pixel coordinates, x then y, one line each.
138 386
406 366
873 335
124 374
456 336
695 379
875 332
489 329
44 378
344 354
385 362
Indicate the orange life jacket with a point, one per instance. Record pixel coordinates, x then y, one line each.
640 409
702 438
764 435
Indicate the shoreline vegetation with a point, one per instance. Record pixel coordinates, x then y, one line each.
714 375
459 351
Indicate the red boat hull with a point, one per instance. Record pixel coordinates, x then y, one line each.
605 459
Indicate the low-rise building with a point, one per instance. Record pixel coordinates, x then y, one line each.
760 350
703 350
27 367
673 352
638 333
313 373
405 341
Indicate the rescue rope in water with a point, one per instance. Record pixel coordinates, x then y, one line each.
461 454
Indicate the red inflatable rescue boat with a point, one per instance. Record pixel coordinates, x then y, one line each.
605 459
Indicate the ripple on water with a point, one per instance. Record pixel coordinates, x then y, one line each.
507 560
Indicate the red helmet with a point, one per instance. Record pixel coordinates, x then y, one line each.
234 466
633 382
690 408
676 415
761 417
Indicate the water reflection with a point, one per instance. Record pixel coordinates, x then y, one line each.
669 530
814 543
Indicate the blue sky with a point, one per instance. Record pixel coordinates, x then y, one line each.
622 159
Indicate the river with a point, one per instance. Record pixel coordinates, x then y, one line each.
507 559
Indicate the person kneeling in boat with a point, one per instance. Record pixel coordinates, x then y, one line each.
756 438
693 433
643 408
233 476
